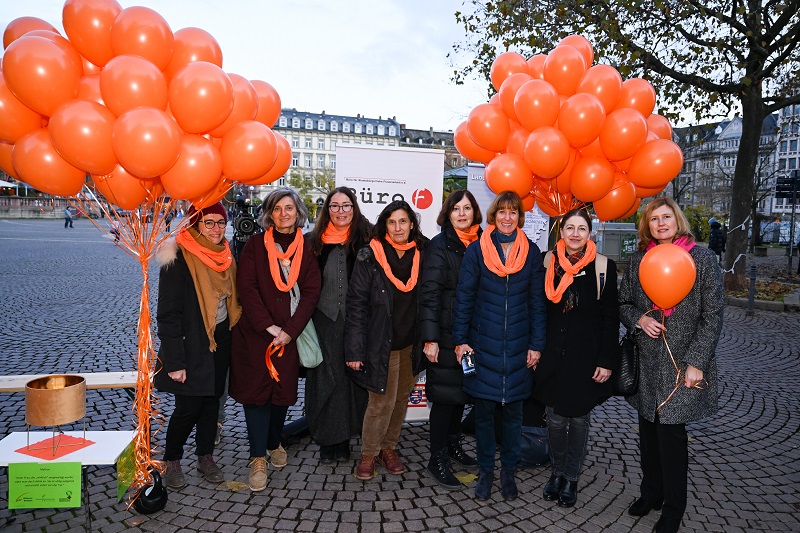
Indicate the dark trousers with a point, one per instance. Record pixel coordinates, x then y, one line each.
511 444
665 464
568 438
264 427
67 222
445 424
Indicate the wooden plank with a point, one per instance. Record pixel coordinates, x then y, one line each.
94 380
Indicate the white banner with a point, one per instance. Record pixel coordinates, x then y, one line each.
379 175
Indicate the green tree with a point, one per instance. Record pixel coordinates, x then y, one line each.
704 55
312 185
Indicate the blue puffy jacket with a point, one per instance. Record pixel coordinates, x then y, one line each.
501 318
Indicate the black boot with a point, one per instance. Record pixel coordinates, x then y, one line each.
553 487
667 524
642 507
343 451
508 483
569 494
439 468
483 489
326 454
458 455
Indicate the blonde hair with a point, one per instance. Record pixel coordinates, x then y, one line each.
645 237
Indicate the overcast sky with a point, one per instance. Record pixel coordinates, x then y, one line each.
374 57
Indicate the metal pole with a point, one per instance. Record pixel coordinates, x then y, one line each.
795 176
752 296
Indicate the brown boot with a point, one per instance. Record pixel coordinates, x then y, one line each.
366 468
391 461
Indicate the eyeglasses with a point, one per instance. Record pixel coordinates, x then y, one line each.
209 224
345 208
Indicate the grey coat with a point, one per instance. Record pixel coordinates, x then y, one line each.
693 331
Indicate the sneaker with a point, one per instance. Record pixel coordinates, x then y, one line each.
219 434
277 457
173 476
258 474
366 468
209 469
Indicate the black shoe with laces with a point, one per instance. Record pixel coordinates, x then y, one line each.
458 455
439 468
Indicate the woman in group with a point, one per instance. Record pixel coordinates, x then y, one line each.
582 342
380 332
460 220
667 400
279 286
197 307
500 316
334 404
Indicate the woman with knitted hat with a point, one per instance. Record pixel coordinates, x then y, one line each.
197 307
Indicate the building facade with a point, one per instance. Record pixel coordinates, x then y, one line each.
435 140
788 155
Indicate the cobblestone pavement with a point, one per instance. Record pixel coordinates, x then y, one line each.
69 303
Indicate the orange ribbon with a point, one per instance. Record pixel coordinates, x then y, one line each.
278 351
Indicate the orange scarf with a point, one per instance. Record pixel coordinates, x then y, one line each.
380 257
469 236
274 255
515 258
554 294
217 261
334 235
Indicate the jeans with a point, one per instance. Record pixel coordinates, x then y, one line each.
568 437
665 464
386 412
511 444
264 427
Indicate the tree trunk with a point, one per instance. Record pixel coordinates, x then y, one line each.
753 114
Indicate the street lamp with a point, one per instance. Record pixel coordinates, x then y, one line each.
251 194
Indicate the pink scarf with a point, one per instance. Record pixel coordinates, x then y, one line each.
682 241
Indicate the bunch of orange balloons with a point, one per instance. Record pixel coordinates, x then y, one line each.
561 133
143 110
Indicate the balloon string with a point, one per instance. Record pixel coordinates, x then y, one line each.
278 351
679 378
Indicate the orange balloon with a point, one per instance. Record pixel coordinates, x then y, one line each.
17 119
488 127
647 192
506 64
551 203
667 274
583 46
269 103
638 94
38 164
660 126
547 152
623 165
508 92
592 150
634 208
190 45
656 164
508 172
88 26
563 181
528 202
536 66
564 68
617 202
214 195
245 105
40 73
62 43
604 82
89 68
248 150
624 132
140 31
591 179
81 133
581 118
282 162
146 141
22 25
536 104
200 97
467 147
197 171
128 82
154 189
89 89
5 159
121 188
517 139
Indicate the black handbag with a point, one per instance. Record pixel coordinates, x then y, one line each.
625 381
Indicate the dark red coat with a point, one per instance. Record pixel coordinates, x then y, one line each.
263 305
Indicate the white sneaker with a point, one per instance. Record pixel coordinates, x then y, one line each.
258 474
277 457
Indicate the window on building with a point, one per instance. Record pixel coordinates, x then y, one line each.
792 164
346 127
793 145
309 178
295 160
295 122
308 161
333 145
784 146
381 129
282 182
321 124
392 131
357 128
333 162
334 125
443 143
320 161
454 162
295 142
370 129
419 141
282 122
308 142
782 164
309 124
320 144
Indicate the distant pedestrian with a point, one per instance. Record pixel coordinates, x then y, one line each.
716 240
67 218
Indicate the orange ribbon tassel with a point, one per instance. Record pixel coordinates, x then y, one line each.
278 351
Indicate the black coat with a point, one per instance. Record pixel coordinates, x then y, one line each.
439 281
716 239
578 342
368 323
184 341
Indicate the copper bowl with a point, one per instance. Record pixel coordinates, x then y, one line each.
55 400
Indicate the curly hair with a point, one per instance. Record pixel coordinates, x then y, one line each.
272 199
